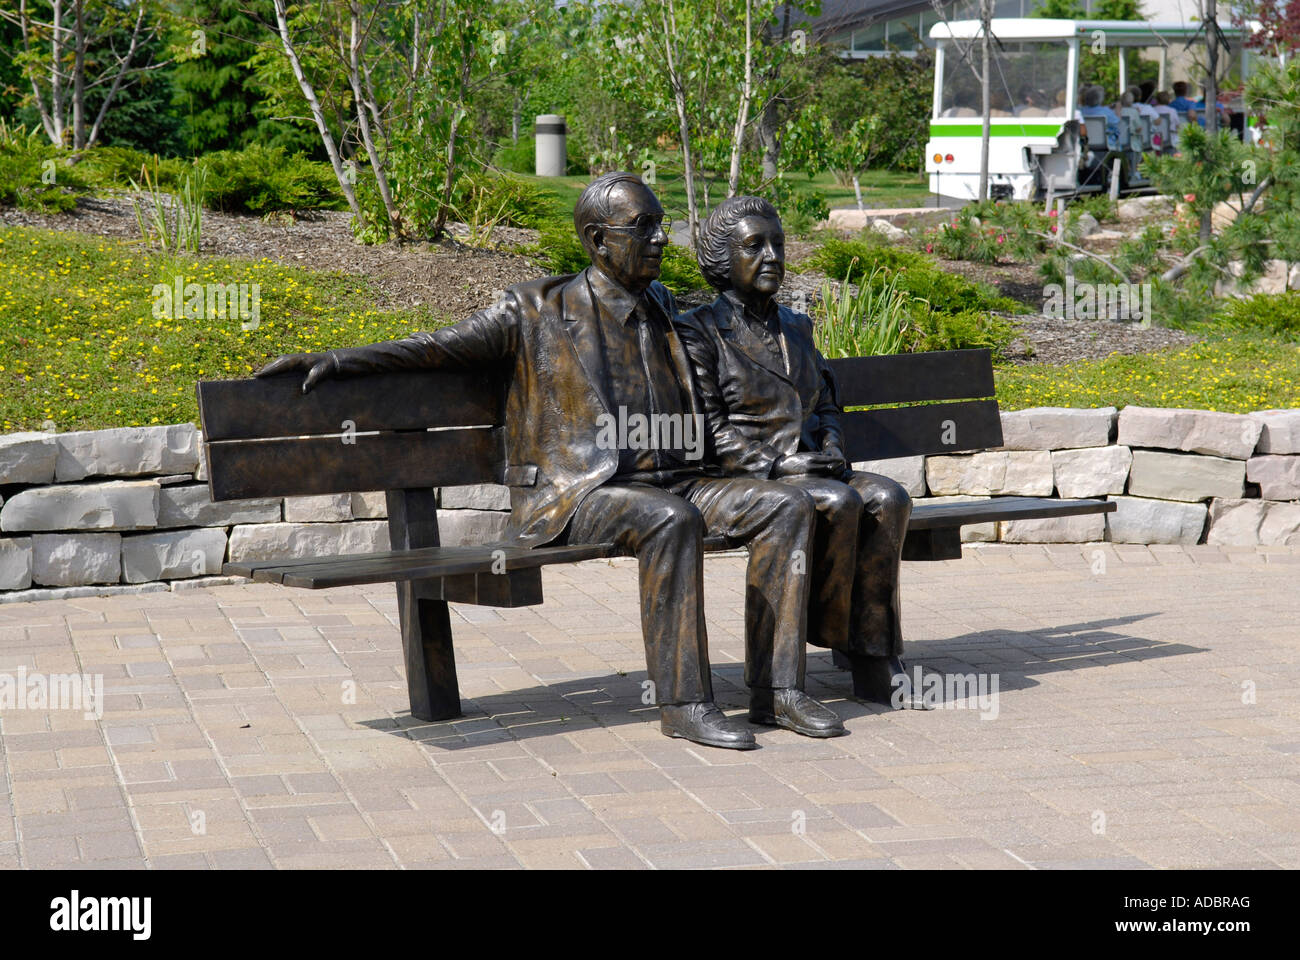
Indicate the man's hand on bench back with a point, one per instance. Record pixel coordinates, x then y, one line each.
319 366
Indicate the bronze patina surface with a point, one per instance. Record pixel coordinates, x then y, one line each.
770 402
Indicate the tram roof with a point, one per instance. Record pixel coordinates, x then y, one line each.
1120 32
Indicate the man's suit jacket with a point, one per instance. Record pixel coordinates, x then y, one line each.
542 339
755 411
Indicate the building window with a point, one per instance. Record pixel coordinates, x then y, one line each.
870 38
904 34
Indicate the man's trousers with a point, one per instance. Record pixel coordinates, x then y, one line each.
664 530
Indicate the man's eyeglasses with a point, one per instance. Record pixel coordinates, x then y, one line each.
645 227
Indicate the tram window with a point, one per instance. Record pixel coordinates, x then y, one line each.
1027 77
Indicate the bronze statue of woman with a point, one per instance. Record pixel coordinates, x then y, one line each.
769 401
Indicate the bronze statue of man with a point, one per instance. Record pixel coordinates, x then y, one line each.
604 443
769 398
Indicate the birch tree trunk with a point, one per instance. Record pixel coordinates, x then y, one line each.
668 15
117 80
449 181
742 110
79 75
56 75
47 119
362 104
318 114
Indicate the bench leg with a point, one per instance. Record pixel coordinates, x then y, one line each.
430 660
422 612
940 543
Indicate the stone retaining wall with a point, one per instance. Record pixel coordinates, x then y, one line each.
128 509
1178 476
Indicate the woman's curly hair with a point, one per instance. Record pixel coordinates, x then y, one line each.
715 236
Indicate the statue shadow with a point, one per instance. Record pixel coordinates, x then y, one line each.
566 706
1015 657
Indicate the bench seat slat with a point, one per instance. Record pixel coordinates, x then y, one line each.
914 377
914 431
423 564
928 516
419 564
243 469
248 568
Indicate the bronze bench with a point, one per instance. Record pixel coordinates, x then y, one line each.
409 433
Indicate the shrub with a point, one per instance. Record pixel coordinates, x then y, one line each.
504 199
521 157
963 330
836 256
1275 313
1100 205
27 167
260 179
993 230
949 293
944 311
557 250
116 167
517 157
680 271
801 208
918 275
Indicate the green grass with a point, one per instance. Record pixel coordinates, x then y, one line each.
1232 373
880 188
81 348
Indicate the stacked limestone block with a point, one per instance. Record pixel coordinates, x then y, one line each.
1269 514
126 509
1177 476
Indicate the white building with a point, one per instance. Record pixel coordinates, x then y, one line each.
873 27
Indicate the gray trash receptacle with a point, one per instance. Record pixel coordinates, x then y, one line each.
550 134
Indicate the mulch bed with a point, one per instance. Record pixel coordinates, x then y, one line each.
457 279
1044 339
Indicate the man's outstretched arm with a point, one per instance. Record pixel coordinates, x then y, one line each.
482 338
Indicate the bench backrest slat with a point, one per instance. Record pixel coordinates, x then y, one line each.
242 469
921 430
277 407
913 377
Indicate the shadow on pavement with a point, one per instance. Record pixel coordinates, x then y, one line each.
595 702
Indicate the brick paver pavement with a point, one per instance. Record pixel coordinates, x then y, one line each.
1147 714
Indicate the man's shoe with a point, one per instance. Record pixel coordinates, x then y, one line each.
705 723
793 710
885 680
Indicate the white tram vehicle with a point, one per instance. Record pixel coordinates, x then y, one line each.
1040 141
